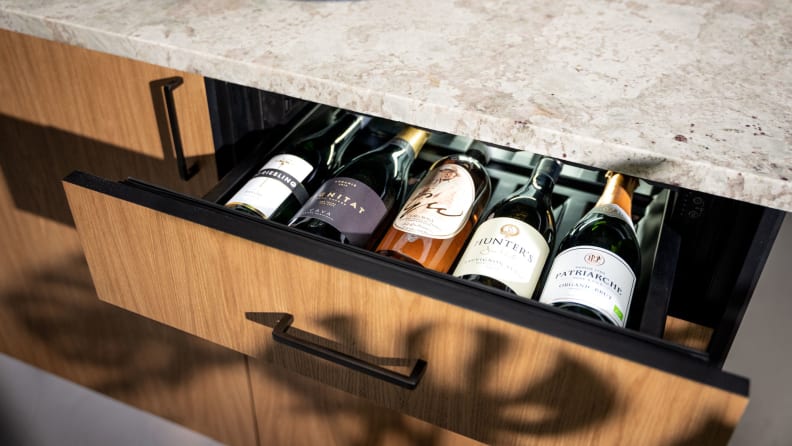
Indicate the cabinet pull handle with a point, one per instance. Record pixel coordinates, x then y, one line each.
280 334
168 85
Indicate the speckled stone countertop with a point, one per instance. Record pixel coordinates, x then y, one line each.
693 93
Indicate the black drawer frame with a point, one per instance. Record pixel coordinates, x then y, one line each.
627 344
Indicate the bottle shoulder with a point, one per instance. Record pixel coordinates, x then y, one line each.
514 205
529 211
469 172
324 145
521 205
606 225
607 232
375 162
472 165
305 153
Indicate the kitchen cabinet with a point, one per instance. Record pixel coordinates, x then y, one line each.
65 108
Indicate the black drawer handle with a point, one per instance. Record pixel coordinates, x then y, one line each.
280 334
168 85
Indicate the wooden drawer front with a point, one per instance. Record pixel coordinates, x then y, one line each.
330 417
490 379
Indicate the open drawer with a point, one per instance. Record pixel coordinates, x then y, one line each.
462 356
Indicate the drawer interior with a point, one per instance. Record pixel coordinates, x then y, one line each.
701 254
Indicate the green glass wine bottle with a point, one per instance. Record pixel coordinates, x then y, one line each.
510 246
287 179
598 262
355 205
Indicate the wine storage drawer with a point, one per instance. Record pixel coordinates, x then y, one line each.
462 356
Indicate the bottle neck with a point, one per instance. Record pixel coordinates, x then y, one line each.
540 188
346 126
543 182
618 190
416 138
335 132
479 152
543 179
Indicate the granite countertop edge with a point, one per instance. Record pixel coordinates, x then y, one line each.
521 134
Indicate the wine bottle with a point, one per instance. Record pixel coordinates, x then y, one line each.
434 223
595 270
287 179
356 204
510 246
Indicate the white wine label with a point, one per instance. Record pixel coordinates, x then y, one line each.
507 250
594 277
440 205
274 182
615 211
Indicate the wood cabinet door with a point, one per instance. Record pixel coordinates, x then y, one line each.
101 112
64 108
498 370
294 410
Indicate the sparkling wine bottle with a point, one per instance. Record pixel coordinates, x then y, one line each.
287 180
596 268
510 246
434 223
355 206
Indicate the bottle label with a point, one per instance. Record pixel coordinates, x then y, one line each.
613 210
348 205
275 181
507 250
594 277
440 206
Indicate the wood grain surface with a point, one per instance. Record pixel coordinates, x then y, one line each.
294 410
98 96
64 108
687 333
486 379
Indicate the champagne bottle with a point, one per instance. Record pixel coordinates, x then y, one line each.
510 246
354 206
433 225
595 270
287 180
